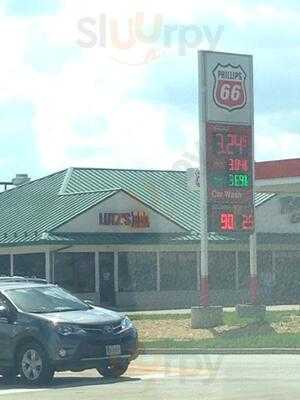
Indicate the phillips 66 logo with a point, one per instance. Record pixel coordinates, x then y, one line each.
229 87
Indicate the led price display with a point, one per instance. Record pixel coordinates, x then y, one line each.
231 218
229 144
238 180
238 164
229 178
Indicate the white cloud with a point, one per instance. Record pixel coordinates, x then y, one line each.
94 86
273 141
134 137
277 145
178 12
244 14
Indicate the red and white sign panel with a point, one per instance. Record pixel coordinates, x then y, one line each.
228 81
229 88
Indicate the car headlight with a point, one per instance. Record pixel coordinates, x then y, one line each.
66 329
126 323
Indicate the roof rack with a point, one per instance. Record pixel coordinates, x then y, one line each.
21 279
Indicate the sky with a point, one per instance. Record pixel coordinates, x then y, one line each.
114 84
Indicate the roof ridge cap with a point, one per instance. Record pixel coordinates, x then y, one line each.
116 189
130 169
33 181
66 180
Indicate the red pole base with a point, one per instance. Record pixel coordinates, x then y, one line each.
253 288
204 296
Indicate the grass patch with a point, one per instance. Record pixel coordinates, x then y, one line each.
268 341
231 318
155 317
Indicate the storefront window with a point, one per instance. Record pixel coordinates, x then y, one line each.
30 265
264 262
137 271
286 282
221 266
244 269
178 271
75 271
5 265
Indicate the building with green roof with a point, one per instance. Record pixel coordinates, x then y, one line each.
130 238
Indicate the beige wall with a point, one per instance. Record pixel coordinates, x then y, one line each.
120 202
270 220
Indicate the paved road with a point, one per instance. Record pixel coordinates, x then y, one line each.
205 377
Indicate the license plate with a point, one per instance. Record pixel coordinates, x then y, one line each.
113 350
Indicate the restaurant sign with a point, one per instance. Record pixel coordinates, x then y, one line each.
132 219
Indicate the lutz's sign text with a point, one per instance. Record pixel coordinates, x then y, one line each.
133 219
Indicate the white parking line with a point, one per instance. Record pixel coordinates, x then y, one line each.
17 391
138 374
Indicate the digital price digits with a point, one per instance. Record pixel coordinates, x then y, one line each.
238 180
230 221
230 143
237 164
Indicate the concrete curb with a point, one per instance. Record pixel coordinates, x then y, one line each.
220 351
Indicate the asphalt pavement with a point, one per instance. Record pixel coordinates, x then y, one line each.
163 377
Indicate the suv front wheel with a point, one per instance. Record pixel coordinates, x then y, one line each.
113 370
33 365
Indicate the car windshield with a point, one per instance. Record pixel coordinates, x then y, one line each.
45 300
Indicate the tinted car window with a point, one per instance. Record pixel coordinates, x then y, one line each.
44 300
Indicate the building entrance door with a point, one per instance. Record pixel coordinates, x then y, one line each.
107 287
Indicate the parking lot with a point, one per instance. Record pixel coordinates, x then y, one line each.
215 377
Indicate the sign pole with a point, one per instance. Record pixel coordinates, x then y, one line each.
253 269
253 287
204 288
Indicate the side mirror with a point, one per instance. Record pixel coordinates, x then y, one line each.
4 313
88 302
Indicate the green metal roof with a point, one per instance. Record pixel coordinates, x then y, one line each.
30 213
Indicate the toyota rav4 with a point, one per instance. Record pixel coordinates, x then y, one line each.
44 329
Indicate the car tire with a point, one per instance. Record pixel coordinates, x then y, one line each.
114 370
34 365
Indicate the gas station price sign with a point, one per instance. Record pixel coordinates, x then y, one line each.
229 164
229 178
226 142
